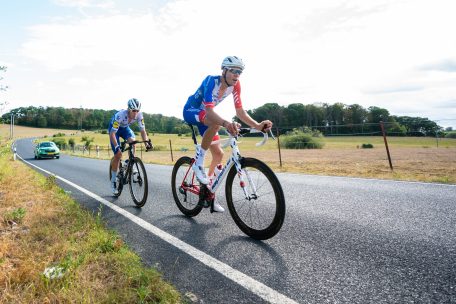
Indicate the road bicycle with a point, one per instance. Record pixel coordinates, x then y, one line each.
253 192
133 173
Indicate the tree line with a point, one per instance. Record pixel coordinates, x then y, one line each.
329 119
87 119
343 119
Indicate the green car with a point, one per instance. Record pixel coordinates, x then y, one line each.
46 149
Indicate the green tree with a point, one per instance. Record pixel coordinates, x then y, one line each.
294 114
41 121
271 111
376 114
87 141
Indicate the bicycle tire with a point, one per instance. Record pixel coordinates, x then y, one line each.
137 178
119 183
248 214
186 201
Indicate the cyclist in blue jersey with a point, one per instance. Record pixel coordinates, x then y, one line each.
119 127
199 111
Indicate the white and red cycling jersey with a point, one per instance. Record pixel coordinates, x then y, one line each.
208 95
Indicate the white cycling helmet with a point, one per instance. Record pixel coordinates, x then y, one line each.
134 104
232 62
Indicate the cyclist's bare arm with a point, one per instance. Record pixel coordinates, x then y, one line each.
212 118
112 137
144 135
265 125
147 140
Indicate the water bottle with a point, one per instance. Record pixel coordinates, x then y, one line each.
123 166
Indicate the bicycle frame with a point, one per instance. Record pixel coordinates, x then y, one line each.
131 155
233 160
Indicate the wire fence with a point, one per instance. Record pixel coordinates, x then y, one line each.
174 148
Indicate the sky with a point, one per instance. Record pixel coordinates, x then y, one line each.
399 55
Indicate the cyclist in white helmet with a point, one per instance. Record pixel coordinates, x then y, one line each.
119 127
199 111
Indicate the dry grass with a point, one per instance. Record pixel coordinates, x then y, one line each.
21 132
99 268
415 159
414 164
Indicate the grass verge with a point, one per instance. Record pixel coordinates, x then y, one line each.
41 228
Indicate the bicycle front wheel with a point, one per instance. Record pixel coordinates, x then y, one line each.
259 211
185 187
137 179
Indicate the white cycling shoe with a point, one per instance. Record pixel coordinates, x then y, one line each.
114 188
200 174
218 208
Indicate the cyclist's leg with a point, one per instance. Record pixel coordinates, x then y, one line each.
196 117
217 154
114 163
129 136
118 155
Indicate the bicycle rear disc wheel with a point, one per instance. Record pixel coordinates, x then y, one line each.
185 187
119 180
137 179
262 213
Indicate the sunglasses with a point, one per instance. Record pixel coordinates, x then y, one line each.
135 111
235 71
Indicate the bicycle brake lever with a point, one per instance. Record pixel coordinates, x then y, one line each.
265 138
272 135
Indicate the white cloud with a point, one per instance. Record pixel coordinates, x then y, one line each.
85 3
295 51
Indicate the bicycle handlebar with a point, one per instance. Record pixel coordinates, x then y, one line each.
243 131
134 142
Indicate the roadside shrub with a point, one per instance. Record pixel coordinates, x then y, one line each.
450 135
159 148
305 130
87 141
59 135
367 146
298 139
60 142
71 142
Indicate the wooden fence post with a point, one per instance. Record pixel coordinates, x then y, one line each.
171 149
386 145
278 145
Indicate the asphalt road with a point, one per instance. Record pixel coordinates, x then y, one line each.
344 240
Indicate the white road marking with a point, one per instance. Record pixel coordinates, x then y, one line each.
236 276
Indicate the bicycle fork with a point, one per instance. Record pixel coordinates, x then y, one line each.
241 173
